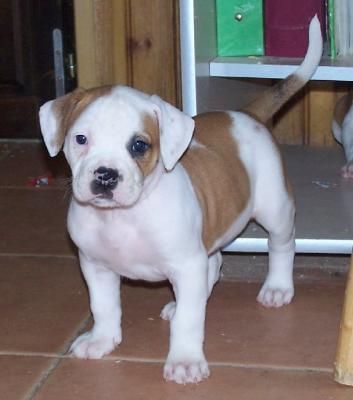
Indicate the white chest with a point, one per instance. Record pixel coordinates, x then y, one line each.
120 243
147 241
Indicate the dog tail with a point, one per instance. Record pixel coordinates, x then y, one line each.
272 99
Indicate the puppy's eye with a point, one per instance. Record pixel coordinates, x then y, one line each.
138 147
81 139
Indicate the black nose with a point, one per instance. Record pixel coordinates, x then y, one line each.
105 180
106 175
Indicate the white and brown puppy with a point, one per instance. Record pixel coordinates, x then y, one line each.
156 194
342 128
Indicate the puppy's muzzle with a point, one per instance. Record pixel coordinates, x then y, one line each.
105 181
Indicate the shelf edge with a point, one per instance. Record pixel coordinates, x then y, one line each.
276 71
320 246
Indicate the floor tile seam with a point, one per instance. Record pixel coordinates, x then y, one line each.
225 364
63 352
34 189
161 361
21 141
43 379
38 354
64 349
83 326
39 255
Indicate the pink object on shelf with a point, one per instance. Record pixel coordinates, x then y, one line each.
287 23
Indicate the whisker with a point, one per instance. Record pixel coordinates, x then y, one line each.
64 181
66 184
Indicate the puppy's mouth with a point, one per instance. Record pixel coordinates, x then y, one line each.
103 201
102 189
106 193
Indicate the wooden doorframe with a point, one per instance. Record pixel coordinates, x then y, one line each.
129 42
101 53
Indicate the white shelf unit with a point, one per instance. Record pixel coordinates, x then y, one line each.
278 68
324 201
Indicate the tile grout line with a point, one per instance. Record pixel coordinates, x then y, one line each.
40 255
57 359
82 327
215 364
43 379
37 189
220 364
20 141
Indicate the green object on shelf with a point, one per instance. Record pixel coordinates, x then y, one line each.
331 28
240 29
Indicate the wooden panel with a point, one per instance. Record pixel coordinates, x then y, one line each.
153 47
307 118
85 43
320 104
132 42
103 12
94 52
120 43
101 42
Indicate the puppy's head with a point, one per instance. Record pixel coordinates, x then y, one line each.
115 140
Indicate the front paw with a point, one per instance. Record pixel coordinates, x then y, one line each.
275 295
168 311
94 346
186 371
347 171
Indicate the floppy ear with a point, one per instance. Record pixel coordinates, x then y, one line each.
49 125
176 129
51 117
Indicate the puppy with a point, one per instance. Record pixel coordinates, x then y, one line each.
157 194
342 128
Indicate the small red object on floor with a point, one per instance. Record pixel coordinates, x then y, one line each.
41 180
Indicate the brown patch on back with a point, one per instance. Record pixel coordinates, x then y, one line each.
342 107
218 175
151 134
69 107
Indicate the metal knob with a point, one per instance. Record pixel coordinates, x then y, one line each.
238 17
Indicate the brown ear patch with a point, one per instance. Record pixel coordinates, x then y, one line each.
69 107
218 175
150 133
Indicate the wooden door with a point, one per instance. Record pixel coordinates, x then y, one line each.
132 42
27 76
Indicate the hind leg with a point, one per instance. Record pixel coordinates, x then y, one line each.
278 220
214 266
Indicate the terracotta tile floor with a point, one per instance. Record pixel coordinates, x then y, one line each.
254 353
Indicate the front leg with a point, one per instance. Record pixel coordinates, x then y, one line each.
104 291
347 170
186 361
